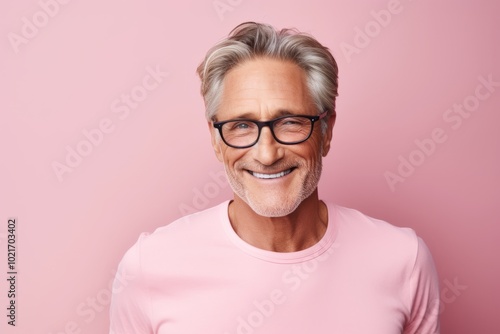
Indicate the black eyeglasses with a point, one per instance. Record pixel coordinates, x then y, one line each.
287 130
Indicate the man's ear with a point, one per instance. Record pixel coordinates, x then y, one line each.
215 141
327 137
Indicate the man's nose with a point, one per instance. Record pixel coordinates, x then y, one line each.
267 149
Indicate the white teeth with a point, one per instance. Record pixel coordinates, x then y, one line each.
271 176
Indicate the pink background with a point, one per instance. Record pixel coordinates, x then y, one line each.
155 163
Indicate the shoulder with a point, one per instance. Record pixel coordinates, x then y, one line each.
376 239
396 259
356 221
193 225
180 236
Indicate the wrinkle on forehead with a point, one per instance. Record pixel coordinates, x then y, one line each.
265 88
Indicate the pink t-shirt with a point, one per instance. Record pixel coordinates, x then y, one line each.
197 276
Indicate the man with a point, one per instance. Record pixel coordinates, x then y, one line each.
275 259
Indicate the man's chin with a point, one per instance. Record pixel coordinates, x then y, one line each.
273 208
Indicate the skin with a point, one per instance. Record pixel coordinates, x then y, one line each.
282 214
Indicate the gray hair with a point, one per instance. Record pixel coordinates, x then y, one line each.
251 40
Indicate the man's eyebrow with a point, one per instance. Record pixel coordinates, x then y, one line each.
285 112
251 115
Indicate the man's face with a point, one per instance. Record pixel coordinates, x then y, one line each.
272 178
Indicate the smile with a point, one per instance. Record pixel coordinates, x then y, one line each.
271 176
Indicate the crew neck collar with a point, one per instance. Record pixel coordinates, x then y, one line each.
282 257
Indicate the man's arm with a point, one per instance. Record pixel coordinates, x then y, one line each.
130 305
424 289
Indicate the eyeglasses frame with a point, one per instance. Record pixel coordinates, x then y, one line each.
270 124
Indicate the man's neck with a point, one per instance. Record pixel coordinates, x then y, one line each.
297 231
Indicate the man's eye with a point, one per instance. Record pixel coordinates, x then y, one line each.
241 126
293 122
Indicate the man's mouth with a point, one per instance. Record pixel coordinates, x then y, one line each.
271 176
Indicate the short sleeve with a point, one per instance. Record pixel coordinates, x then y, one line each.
130 305
424 290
